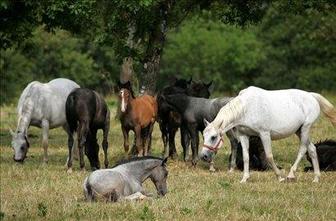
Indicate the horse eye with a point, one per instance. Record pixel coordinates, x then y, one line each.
22 148
213 138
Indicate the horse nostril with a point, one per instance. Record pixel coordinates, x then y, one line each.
205 157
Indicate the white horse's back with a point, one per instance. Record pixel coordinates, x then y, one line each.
283 111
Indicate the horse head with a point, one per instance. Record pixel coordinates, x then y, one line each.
124 96
20 145
200 89
212 142
159 177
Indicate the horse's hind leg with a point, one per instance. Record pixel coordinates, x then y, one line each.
172 147
164 137
83 130
185 142
138 140
45 133
304 145
148 137
267 143
105 137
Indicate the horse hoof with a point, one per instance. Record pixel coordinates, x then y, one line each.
231 170
69 170
290 179
281 179
243 181
316 180
173 156
212 170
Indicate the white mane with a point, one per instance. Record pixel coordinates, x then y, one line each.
227 114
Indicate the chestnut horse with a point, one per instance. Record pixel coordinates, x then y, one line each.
138 114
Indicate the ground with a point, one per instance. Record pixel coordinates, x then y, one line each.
35 190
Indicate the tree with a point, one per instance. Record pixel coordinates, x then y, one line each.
136 29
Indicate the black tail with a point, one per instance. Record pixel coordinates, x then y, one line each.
70 111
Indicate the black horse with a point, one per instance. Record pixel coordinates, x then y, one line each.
169 120
193 111
326 153
257 156
86 112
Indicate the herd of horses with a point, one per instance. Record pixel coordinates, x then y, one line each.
250 121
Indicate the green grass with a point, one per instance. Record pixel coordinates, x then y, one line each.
35 191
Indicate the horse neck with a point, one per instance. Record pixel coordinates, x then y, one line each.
228 114
142 169
25 113
179 102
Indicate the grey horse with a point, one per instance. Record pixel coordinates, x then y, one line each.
124 181
40 105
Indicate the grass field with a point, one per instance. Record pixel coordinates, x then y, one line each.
35 191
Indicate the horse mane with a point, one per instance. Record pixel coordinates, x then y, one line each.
134 159
227 114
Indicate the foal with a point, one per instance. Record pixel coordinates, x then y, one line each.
137 114
86 112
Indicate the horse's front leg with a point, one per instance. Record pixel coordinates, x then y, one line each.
135 196
194 142
105 137
138 140
164 137
172 147
267 143
126 142
45 134
234 147
244 140
185 141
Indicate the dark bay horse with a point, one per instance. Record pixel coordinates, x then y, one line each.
169 120
138 114
193 110
86 112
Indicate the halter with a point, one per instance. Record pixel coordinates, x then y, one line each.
216 147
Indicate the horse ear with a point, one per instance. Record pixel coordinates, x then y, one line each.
190 80
11 132
164 161
208 84
206 123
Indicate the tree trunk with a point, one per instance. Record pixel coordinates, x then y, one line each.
126 71
157 38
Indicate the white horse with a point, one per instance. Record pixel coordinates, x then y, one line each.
270 115
41 105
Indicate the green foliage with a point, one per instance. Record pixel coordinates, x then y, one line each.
301 49
211 50
47 56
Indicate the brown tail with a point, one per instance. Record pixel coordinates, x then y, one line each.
327 108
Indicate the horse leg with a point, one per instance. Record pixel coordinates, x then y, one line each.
304 145
126 142
164 136
194 143
267 143
234 147
147 143
70 148
172 147
45 133
138 140
136 196
83 130
185 141
244 140
105 137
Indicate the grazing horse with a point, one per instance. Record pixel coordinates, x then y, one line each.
86 112
124 181
326 154
193 110
40 105
270 115
137 114
169 120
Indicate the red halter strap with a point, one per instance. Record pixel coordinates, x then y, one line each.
214 148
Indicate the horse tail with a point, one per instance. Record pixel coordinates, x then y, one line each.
88 194
327 108
70 110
